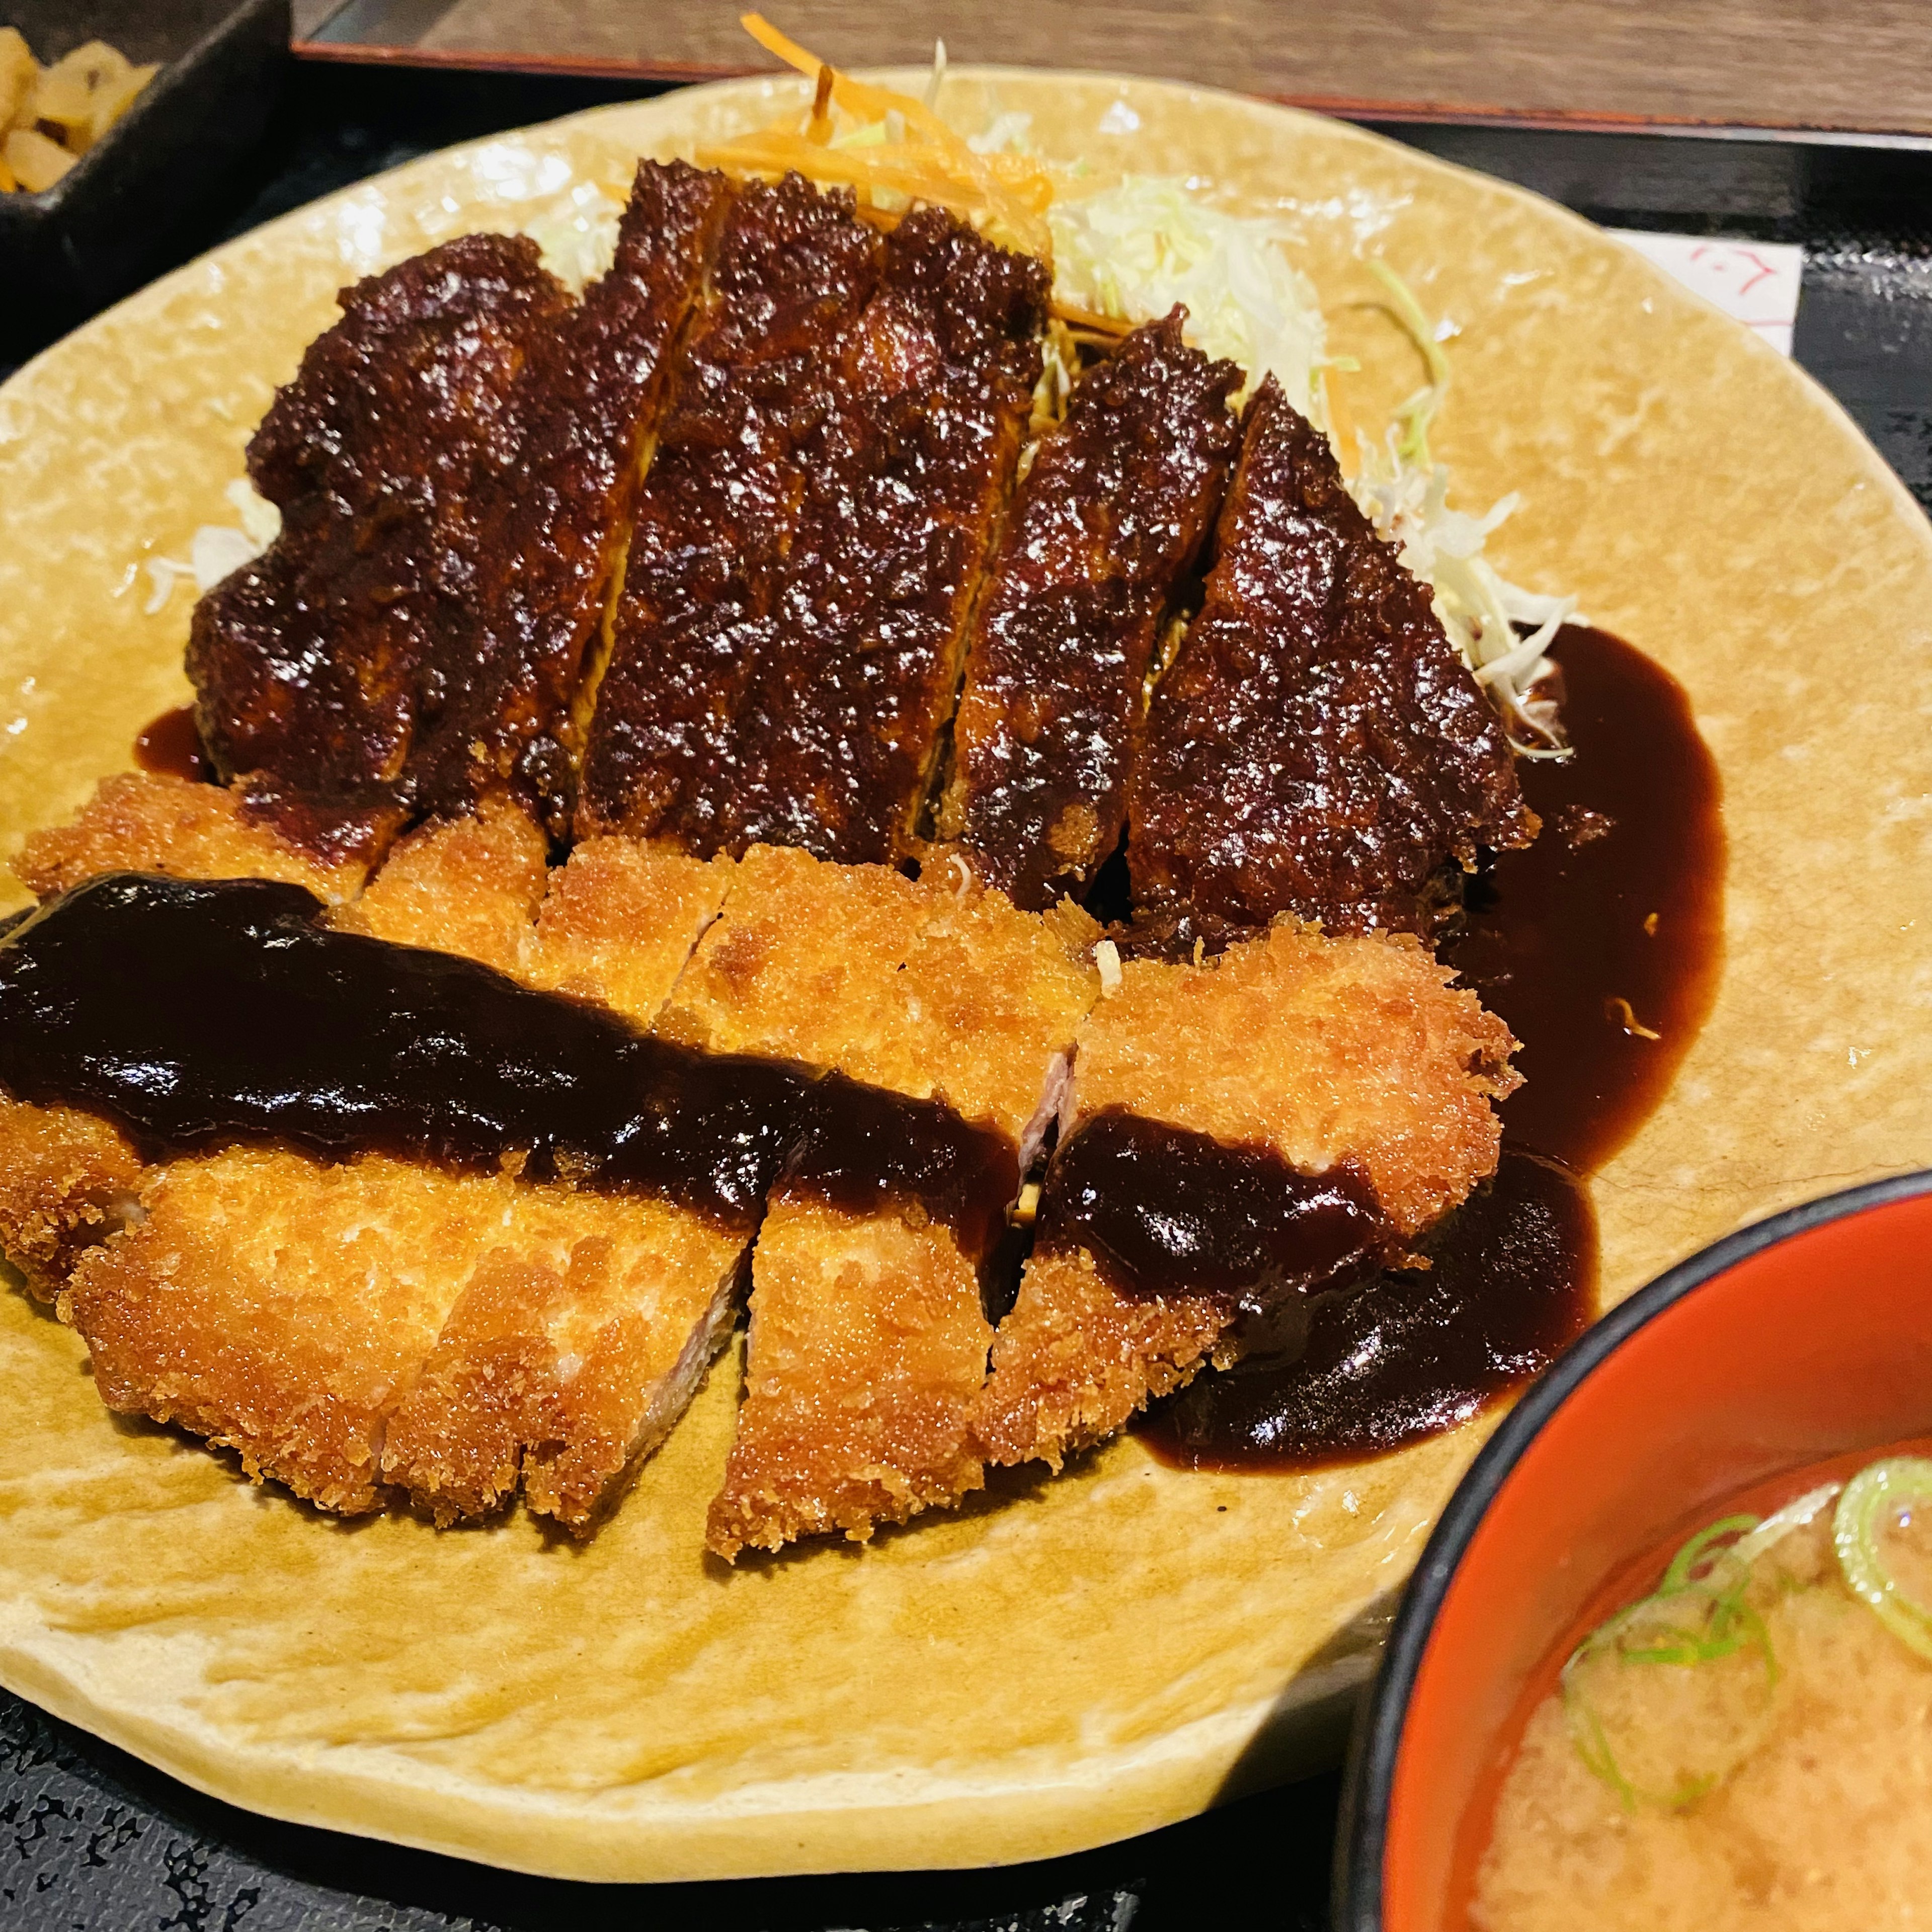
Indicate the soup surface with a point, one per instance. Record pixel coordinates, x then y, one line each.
1748 1743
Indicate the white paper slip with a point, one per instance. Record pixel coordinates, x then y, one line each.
1755 281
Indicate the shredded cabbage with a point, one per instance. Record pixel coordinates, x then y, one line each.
1131 252
216 551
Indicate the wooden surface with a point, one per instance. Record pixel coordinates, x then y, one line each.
1815 64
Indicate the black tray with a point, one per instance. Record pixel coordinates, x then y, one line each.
92 1841
108 223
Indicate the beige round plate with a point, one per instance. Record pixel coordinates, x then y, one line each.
1076 1659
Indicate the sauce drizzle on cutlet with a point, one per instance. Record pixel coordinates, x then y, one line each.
1165 1211
1620 899
196 1015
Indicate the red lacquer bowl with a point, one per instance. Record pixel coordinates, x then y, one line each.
1800 1339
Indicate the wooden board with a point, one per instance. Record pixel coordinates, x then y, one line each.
1779 64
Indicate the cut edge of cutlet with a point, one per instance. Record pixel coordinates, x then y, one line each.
868 1338
1397 1071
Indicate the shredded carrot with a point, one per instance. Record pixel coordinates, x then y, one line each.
915 157
1113 327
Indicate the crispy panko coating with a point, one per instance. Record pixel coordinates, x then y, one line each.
287 1308
620 920
867 1350
68 1179
148 822
1325 1051
471 886
868 1338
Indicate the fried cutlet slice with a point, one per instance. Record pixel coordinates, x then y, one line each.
1111 517
567 1357
1318 748
288 1308
144 822
470 886
68 1179
718 507
619 921
550 525
906 477
570 1369
313 665
869 1337
1352 1051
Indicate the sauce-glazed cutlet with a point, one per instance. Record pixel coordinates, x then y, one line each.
311 663
455 463
869 1332
1347 1057
905 479
550 525
717 511
1112 514
1317 748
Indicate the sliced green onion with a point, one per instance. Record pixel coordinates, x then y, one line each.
1697 1616
1678 1576
1877 1492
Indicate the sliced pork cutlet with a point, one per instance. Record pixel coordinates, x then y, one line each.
906 479
1284 1115
1317 748
717 512
1110 518
339 1323
550 525
311 664
565 1364
869 1332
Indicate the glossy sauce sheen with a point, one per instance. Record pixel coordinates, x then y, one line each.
1165 1211
171 746
197 1015
1556 934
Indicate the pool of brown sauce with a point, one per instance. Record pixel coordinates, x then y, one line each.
172 746
1599 945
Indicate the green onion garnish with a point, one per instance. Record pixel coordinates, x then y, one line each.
1878 1493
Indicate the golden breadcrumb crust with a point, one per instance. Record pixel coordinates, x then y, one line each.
868 1344
1074 1360
470 886
620 920
1326 1050
68 1179
866 1353
149 822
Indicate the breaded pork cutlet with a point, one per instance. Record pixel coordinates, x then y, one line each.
1349 1063
718 510
869 1334
562 1371
1317 749
905 479
550 523
1110 516
312 664
381 1321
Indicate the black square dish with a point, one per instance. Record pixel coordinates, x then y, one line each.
98 230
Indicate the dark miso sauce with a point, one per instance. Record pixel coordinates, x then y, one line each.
172 746
1599 945
195 1014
